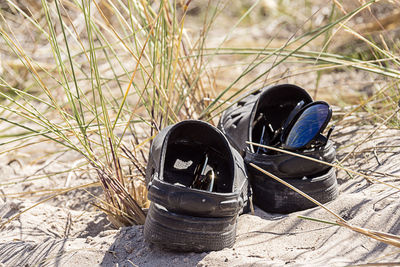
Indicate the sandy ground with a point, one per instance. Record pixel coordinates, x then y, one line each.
67 231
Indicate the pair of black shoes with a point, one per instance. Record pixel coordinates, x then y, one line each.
199 183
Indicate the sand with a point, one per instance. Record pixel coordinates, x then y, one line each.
68 231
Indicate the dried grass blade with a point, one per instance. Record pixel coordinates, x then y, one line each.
390 239
368 178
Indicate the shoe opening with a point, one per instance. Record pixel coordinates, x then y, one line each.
273 108
198 156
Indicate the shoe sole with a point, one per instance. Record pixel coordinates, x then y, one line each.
274 197
179 232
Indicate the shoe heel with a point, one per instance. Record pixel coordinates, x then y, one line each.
179 232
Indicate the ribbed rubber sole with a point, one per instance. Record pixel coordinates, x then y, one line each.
272 196
179 232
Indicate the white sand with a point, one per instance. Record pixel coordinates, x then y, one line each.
60 232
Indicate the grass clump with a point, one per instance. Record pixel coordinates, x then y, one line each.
103 71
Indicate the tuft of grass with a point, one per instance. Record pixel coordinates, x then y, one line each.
116 69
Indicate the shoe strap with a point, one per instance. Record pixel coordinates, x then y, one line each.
182 199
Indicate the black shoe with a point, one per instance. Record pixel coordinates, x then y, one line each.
198 186
268 116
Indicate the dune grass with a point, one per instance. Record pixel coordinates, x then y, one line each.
101 78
